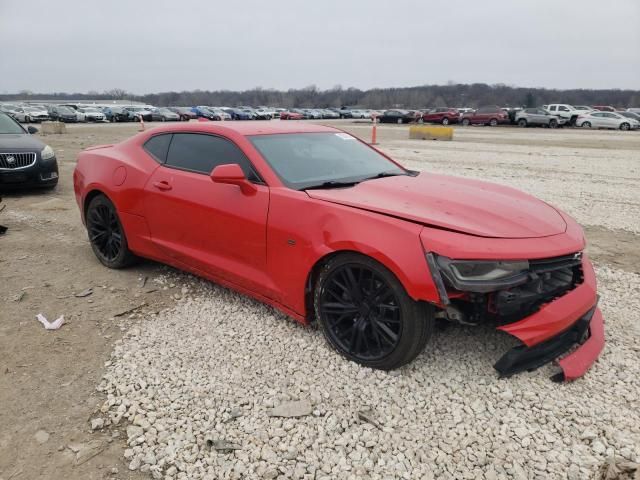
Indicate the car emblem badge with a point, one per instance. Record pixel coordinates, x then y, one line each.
11 160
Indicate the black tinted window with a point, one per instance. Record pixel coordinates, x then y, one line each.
202 153
157 146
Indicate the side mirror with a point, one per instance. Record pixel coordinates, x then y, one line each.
232 174
32 129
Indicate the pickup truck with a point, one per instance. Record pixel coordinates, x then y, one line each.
562 110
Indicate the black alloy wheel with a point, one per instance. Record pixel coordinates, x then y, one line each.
553 124
522 122
625 126
106 235
366 314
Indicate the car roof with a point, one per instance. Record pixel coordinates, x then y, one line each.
249 128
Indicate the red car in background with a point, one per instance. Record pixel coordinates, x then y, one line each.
324 227
485 116
288 115
445 116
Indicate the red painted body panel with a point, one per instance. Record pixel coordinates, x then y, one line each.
580 360
459 204
559 315
265 243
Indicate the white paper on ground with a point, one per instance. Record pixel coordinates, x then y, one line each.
56 324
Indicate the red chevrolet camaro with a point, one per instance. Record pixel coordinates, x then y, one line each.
326 228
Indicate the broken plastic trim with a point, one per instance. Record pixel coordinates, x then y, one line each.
437 278
522 358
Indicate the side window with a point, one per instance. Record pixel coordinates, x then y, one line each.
201 153
158 146
552 108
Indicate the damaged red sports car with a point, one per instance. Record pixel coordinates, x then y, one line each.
324 227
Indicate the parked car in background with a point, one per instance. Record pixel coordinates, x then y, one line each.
262 114
115 114
398 116
185 113
531 117
568 112
238 114
136 113
202 111
612 120
330 114
604 108
164 115
360 113
445 116
8 108
25 161
91 114
635 116
633 110
583 108
491 116
291 115
61 113
30 114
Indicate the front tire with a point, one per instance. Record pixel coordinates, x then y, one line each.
106 235
493 122
553 124
366 315
445 121
625 126
586 124
522 122
466 122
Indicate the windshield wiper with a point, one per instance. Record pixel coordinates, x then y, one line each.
383 175
331 184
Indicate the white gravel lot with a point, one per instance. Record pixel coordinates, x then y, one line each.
180 376
211 369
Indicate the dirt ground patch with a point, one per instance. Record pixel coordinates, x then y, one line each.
48 379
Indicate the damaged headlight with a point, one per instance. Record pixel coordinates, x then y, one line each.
483 275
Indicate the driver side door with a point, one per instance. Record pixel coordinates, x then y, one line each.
213 227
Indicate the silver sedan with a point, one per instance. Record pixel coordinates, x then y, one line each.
611 120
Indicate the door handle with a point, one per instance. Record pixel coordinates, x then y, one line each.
163 185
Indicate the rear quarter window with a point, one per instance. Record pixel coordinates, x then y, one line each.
158 146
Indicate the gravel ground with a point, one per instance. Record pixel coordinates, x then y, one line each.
212 368
197 383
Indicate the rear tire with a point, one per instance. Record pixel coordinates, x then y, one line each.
106 234
465 122
366 315
493 122
445 121
586 124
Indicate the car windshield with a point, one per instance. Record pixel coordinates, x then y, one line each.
65 110
8 126
322 160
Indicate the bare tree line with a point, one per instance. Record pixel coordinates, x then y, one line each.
427 96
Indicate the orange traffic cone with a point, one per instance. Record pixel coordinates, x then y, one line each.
373 131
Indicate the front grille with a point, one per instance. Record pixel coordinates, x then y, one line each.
14 161
548 279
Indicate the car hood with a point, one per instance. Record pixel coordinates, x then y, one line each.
459 204
19 142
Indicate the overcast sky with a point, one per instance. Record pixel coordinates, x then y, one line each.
146 46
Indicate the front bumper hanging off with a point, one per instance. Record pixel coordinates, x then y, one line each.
573 320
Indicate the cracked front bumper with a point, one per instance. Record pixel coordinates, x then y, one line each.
572 321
